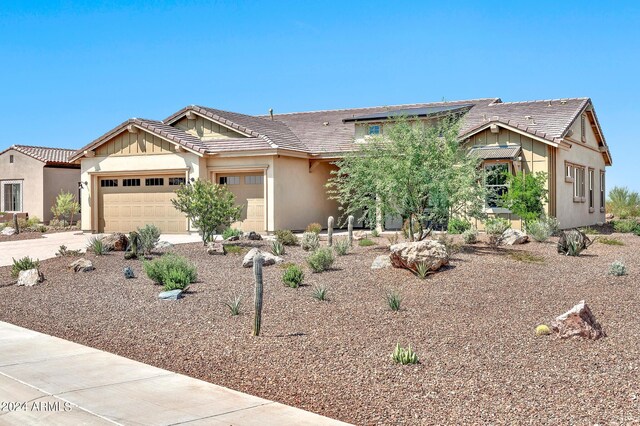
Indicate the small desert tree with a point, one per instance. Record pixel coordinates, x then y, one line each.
416 170
623 203
526 195
208 206
65 207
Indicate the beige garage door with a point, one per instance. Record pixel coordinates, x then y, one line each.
125 204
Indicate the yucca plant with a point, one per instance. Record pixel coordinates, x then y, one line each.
422 269
404 356
393 300
233 303
277 248
97 246
320 292
342 247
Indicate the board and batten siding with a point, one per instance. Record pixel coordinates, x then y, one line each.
206 129
139 143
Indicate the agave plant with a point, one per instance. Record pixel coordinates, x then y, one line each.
234 304
277 248
404 356
422 270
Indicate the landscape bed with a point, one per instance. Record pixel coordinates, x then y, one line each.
472 326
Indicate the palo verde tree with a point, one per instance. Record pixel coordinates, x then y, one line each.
526 195
415 170
65 207
208 206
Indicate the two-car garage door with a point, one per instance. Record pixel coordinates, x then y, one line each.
126 203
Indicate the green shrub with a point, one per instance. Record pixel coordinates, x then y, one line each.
320 292
341 247
277 248
470 236
609 241
148 237
286 237
623 203
172 271
23 264
393 300
28 224
552 223
293 276
450 246
231 232
495 227
404 356
321 260
618 268
65 207
539 230
625 225
458 226
233 303
310 241
314 227
526 195
365 242
97 246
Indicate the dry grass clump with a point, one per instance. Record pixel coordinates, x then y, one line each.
525 256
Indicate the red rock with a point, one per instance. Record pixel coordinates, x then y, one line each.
578 322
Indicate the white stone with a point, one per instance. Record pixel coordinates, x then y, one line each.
513 236
8 231
381 262
29 278
429 252
269 259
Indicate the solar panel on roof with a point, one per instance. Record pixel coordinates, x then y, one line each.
409 112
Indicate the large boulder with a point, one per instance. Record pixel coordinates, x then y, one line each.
115 242
381 262
82 265
513 236
216 248
8 231
407 255
269 259
30 277
578 322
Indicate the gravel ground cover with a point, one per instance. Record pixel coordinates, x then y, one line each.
472 326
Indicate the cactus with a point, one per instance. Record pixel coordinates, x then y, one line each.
350 230
258 260
15 223
132 250
330 231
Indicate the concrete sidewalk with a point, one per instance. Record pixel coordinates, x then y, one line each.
47 380
47 247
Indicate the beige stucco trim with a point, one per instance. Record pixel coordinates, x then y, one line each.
238 168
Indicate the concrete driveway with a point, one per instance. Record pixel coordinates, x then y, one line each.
47 247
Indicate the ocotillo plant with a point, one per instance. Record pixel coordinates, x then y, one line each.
330 231
350 229
15 223
257 273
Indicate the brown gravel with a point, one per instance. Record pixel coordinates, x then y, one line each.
472 326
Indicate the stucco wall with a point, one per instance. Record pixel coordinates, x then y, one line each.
58 179
30 171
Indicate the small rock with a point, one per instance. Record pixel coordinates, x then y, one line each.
115 242
269 259
29 278
578 322
82 265
513 236
253 236
216 248
164 245
171 295
609 216
359 235
408 255
128 272
8 231
381 262
233 238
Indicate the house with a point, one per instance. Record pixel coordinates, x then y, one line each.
277 165
31 177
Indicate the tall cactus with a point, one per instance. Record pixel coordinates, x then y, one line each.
258 260
15 223
330 231
350 229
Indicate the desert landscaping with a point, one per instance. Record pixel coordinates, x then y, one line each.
472 326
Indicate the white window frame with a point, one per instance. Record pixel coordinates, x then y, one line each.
485 166
11 182
254 180
230 180
591 190
602 191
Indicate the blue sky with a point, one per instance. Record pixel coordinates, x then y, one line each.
72 70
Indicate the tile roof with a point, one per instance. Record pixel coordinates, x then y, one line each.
495 152
45 154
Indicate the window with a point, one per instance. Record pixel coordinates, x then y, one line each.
12 196
374 129
108 183
11 159
591 172
130 182
253 180
496 182
583 128
602 193
154 182
578 183
176 181
229 180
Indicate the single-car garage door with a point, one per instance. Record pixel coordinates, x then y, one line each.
126 203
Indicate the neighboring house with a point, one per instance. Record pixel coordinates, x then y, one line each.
31 177
278 165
